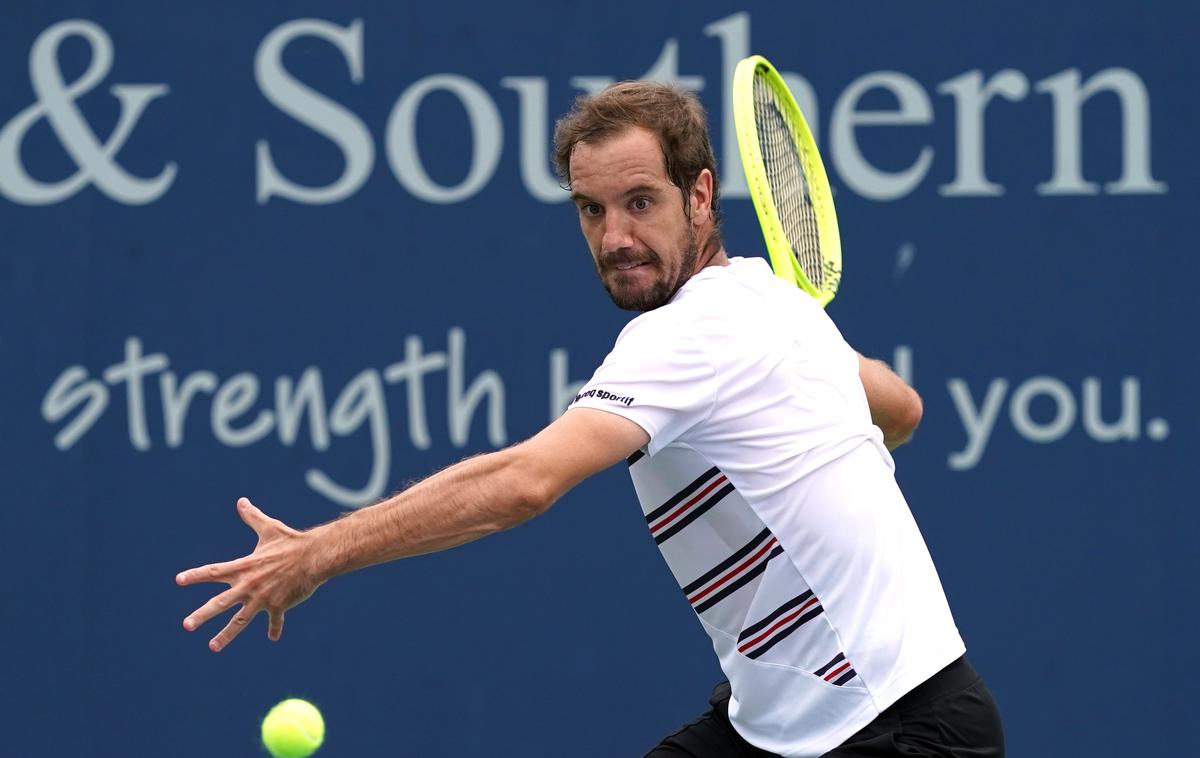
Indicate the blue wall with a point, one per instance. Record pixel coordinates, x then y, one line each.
242 199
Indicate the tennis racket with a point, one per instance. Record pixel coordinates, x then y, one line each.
787 180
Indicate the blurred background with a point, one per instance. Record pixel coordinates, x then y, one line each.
309 252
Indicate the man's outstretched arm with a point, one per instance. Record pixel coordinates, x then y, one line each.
473 498
896 408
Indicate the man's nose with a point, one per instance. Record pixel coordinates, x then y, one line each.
618 232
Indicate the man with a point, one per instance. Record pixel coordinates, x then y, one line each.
756 440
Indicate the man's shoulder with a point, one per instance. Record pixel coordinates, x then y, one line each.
722 302
665 321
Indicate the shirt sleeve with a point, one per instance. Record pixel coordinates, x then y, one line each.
656 377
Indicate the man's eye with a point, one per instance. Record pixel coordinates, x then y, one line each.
589 209
641 203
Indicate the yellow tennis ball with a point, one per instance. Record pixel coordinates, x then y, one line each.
293 729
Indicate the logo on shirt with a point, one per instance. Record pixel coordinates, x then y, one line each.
600 394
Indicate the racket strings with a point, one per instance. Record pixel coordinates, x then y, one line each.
785 176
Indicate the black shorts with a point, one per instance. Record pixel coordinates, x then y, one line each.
952 715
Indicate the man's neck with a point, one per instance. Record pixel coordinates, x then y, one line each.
716 257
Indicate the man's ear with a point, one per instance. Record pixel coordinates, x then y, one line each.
701 199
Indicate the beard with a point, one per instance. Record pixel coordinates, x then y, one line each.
632 296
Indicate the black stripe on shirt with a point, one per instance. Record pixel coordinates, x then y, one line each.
750 631
804 619
679 497
695 513
740 582
845 677
836 660
717 570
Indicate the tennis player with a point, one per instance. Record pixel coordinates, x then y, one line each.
758 443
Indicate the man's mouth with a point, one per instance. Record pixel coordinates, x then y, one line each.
629 266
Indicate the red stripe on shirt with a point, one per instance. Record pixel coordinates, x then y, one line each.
734 572
786 619
687 505
837 671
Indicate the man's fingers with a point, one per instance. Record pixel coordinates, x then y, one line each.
217 605
213 572
274 625
222 572
254 518
236 625
245 577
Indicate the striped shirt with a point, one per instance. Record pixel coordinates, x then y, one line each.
773 501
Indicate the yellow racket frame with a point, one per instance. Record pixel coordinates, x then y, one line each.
783 258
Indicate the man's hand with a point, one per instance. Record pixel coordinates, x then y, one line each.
274 578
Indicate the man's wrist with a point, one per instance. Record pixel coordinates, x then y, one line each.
320 559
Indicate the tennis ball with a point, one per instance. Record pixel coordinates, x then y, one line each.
293 729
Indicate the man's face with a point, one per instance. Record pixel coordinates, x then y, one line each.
642 243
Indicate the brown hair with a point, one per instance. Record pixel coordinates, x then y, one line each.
671 112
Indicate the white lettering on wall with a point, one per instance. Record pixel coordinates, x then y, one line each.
177 399
233 398
562 389
71 389
239 416
539 180
913 108
361 402
733 32
979 418
1126 427
1041 409
487 138
411 371
463 402
972 95
978 421
132 371
1064 409
321 114
56 104
1069 95
295 401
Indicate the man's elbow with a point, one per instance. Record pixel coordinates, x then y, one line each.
533 492
901 424
534 500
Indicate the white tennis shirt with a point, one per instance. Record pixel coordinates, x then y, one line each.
773 501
